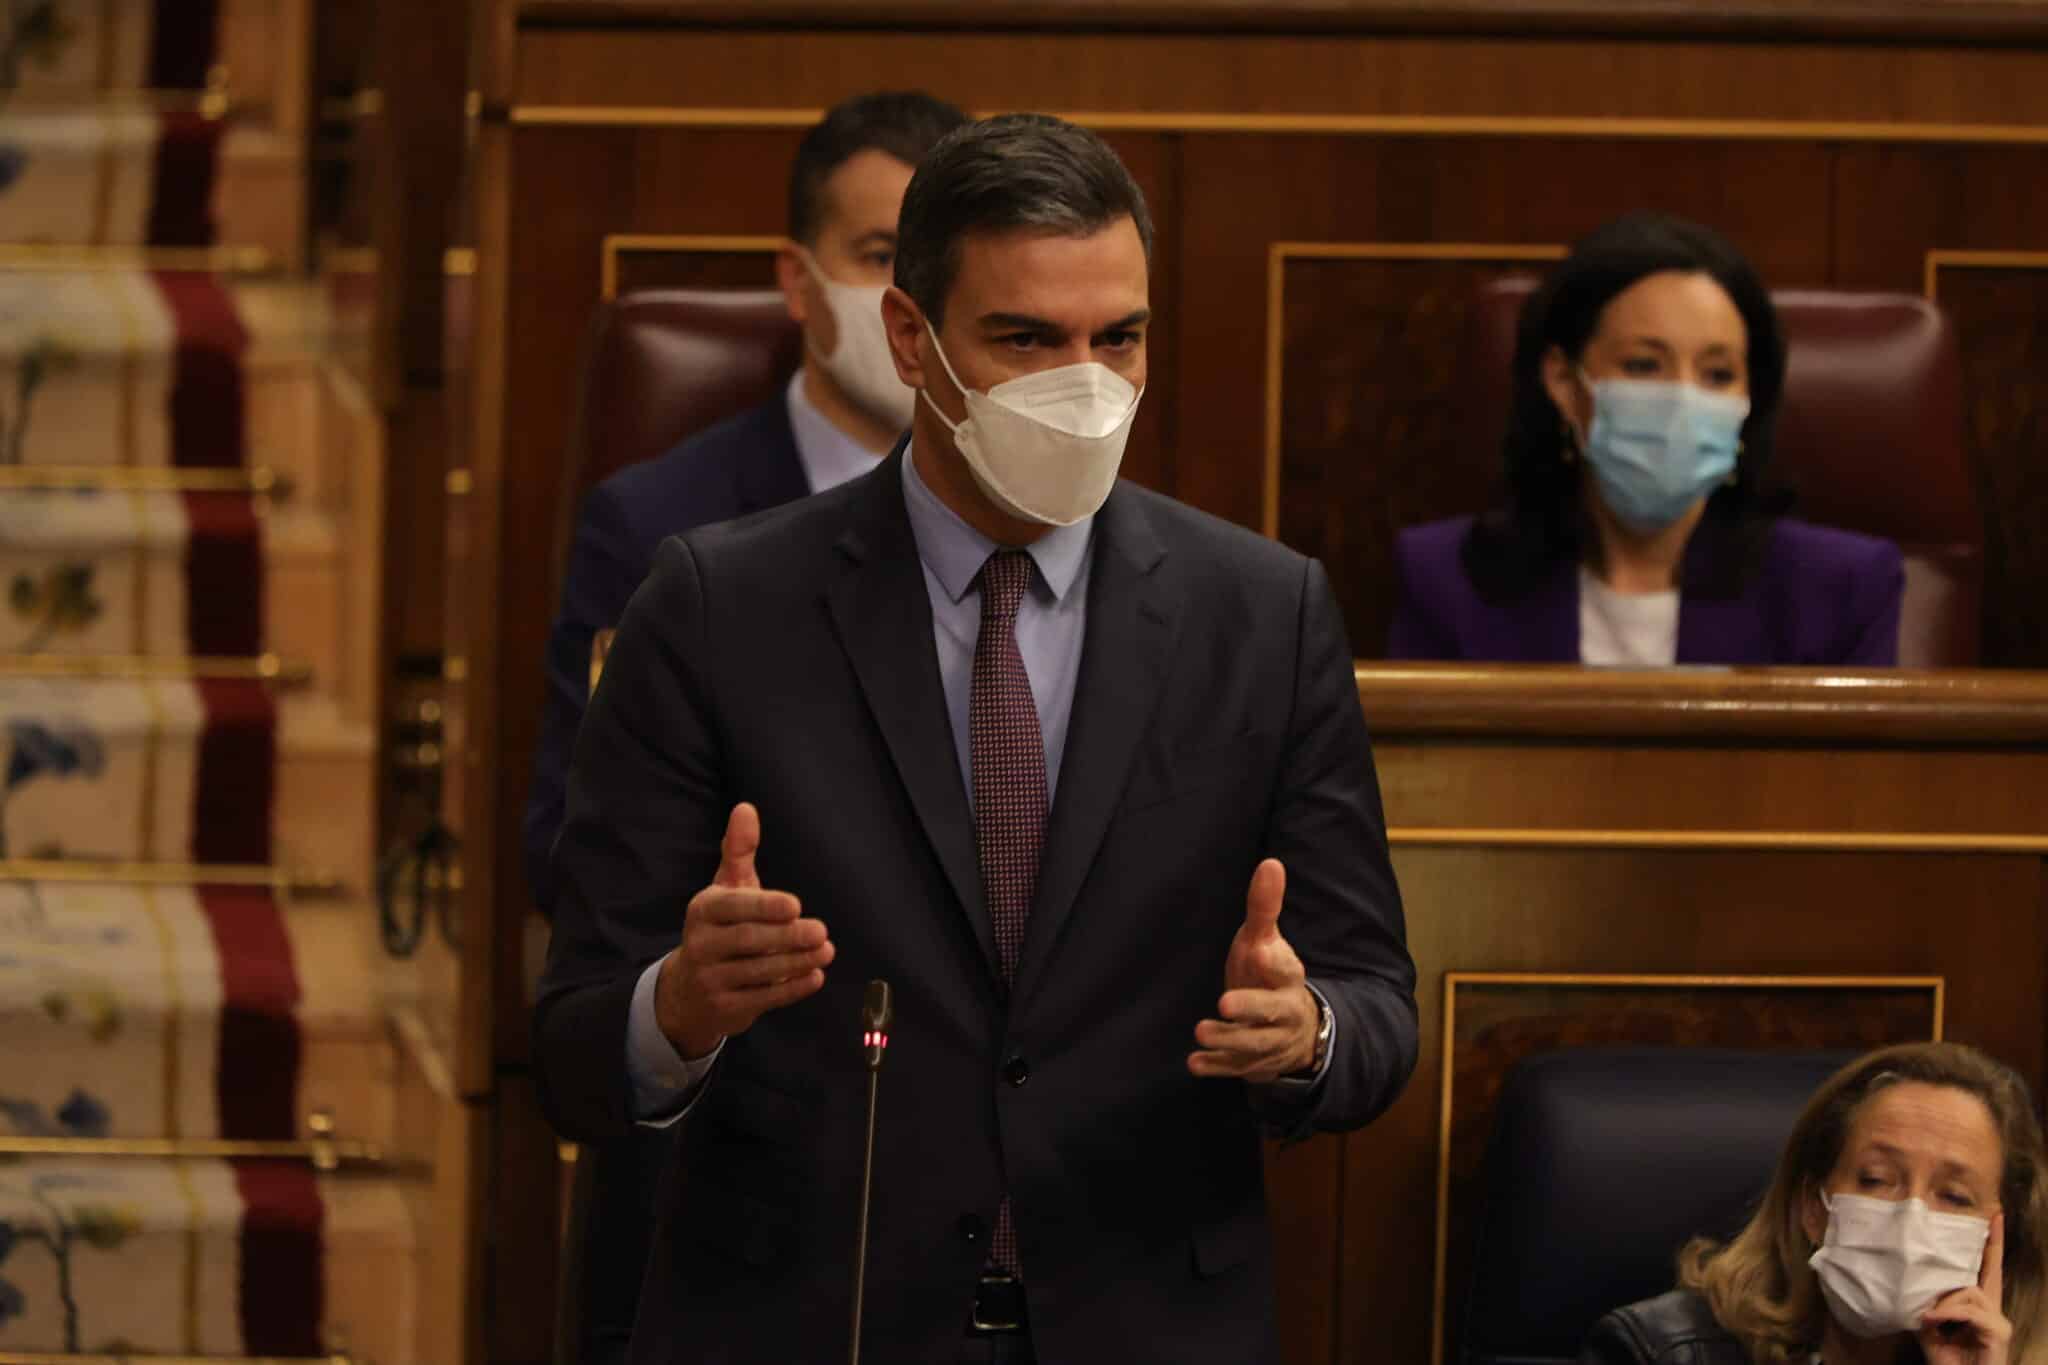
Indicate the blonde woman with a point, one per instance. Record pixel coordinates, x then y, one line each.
1904 1226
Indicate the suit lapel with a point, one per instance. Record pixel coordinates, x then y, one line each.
1127 644
883 614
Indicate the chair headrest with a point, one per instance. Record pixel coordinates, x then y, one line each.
1603 1163
664 364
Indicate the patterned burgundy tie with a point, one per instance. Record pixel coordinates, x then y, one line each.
1008 759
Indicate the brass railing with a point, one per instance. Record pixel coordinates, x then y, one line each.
260 668
59 256
289 882
320 1149
211 103
259 480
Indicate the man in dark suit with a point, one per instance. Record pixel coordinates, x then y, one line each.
1079 770
841 412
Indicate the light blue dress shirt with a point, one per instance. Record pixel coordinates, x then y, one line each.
1050 627
828 455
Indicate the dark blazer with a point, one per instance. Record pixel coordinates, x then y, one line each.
744 464
787 659
741 465
1819 596
1677 1328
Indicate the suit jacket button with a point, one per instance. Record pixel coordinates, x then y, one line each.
972 1229
1016 1071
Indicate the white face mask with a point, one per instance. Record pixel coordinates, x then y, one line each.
860 362
1046 447
1886 1261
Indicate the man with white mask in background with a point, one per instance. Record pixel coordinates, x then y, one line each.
1078 770
839 415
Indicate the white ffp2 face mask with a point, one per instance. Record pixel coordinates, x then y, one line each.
1045 447
860 362
1885 1261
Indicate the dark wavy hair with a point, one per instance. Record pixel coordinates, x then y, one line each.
1542 522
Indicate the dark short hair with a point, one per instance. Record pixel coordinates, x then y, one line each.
1028 171
904 124
1540 523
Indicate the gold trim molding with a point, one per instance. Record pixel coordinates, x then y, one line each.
617 244
214 260
284 881
261 480
1941 259
262 668
1346 125
1936 985
1278 254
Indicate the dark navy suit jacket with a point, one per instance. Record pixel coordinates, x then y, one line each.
1818 597
744 464
788 659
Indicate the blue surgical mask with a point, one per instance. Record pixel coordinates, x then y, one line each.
1657 447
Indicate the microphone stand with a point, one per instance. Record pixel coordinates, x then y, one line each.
875 1018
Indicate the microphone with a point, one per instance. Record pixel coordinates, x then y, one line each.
876 1012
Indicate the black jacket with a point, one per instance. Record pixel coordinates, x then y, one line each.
788 659
1672 1329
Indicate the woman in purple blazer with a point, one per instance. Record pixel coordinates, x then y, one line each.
1638 530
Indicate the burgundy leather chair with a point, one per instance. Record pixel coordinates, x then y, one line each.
663 364
660 366
1870 437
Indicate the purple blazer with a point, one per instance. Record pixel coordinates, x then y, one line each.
1819 597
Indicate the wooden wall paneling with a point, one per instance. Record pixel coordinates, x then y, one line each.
1581 911
1729 786
1243 194
478 563
1150 457
1235 73
1491 1021
1900 211
1894 20
1366 433
2001 317
629 262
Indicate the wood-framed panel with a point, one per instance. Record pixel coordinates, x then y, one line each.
1227 74
1380 442
1665 912
1998 303
1509 1016
669 260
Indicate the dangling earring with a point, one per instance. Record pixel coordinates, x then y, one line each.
1732 480
1568 442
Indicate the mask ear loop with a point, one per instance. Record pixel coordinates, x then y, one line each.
1574 439
958 387
822 283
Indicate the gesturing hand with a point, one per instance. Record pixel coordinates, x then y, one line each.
1968 1326
1268 1024
745 951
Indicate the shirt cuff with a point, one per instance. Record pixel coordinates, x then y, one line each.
1286 1085
665 1083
